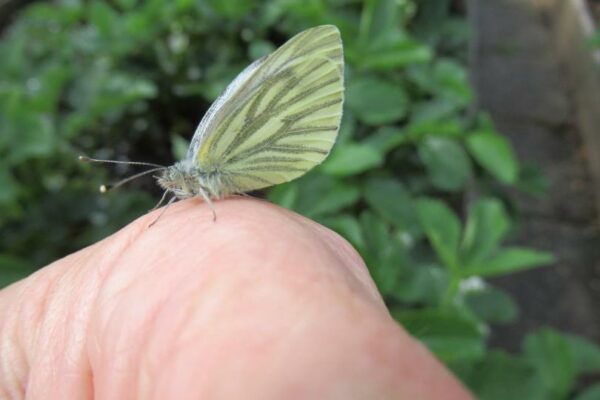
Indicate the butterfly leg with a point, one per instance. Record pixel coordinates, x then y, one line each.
163 211
163 197
206 198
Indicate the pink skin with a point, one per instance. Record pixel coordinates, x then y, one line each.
262 304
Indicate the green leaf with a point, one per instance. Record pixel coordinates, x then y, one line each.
495 154
393 203
501 376
127 4
379 19
585 353
351 159
451 128
260 48
492 305
232 9
390 49
218 76
286 195
451 82
9 187
442 227
532 181
384 255
448 335
51 83
386 139
447 164
179 147
509 260
438 109
33 136
376 101
551 354
395 55
347 129
321 195
593 392
347 226
103 17
486 226
421 284
141 88
594 40
378 239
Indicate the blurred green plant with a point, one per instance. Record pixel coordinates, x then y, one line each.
594 40
416 181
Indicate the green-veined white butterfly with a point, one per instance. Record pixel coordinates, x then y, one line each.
278 119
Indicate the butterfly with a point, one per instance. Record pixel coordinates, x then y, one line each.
278 119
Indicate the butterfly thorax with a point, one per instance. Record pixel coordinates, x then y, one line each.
184 179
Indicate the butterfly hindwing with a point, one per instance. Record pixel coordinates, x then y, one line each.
278 118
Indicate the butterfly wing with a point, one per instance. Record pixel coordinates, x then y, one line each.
278 118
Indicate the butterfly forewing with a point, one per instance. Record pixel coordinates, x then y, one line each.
279 118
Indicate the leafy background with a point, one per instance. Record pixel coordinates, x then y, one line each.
417 182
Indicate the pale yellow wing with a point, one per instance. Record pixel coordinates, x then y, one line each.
278 118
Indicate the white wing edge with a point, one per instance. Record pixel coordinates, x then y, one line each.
229 92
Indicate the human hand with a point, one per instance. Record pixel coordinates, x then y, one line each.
262 304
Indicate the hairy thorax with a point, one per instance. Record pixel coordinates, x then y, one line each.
184 180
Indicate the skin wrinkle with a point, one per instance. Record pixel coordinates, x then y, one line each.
74 354
12 343
124 350
128 351
151 365
112 250
58 328
11 351
261 297
153 362
43 305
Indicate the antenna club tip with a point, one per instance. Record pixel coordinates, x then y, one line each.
83 158
103 189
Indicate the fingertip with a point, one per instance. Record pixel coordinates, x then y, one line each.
257 226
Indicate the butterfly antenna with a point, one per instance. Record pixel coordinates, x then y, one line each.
106 188
97 160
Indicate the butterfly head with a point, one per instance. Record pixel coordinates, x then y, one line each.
181 179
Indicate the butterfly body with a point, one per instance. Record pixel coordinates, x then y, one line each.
184 179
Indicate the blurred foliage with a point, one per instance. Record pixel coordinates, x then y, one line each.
594 40
417 181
